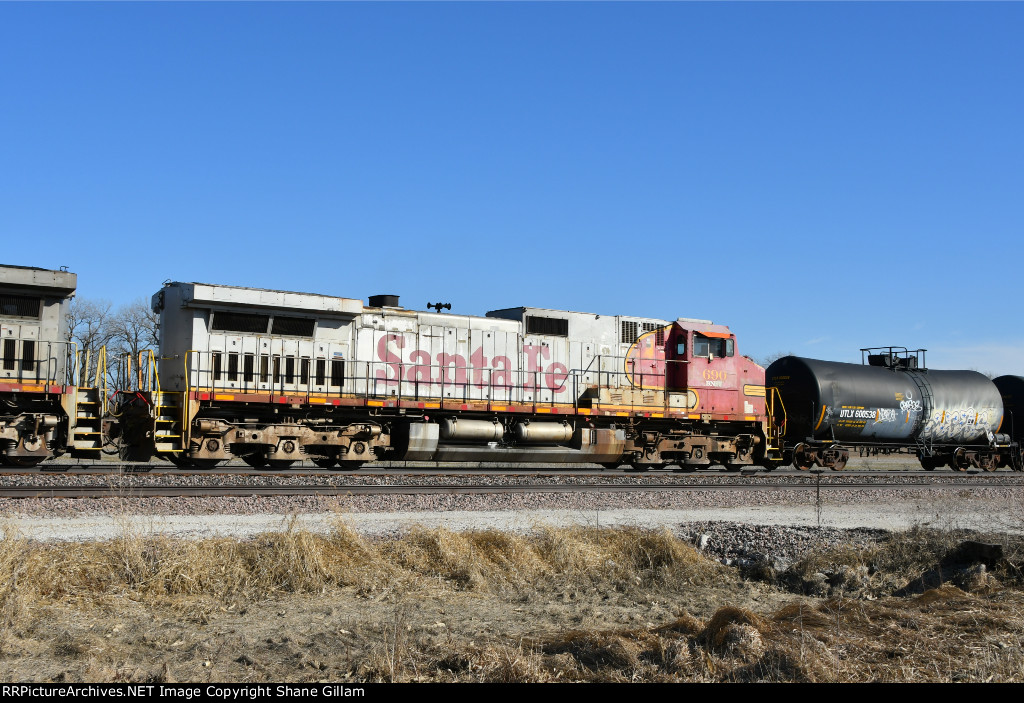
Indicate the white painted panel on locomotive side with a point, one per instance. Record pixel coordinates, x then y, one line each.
451 364
37 350
492 346
477 370
505 363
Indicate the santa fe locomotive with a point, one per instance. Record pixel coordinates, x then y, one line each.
274 377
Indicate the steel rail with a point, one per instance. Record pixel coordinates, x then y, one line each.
149 491
163 469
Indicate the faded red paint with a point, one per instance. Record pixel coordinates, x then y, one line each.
448 369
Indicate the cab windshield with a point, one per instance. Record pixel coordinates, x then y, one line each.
712 347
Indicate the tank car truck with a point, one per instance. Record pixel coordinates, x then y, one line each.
273 377
949 418
38 393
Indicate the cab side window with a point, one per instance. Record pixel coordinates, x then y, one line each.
701 345
713 347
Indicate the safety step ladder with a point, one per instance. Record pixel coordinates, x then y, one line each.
167 422
87 437
775 422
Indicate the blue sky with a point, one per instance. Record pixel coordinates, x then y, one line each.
818 176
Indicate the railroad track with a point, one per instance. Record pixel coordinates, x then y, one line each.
115 469
242 490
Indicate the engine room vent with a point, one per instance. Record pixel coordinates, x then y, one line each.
659 338
293 326
224 321
547 325
630 332
19 306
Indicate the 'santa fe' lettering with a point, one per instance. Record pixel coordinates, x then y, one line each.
446 369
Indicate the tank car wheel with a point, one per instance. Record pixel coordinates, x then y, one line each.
839 465
929 463
325 462
256 461
800 461
960 461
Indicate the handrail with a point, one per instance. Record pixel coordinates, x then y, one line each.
776 431
425 380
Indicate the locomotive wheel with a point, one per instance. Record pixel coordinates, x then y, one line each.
256 461
325 462
280 463
205 463
610 466
349 465
638 468
179 459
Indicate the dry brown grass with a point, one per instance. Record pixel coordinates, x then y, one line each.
559 605
299 561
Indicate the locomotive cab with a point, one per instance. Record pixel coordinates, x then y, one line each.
702 359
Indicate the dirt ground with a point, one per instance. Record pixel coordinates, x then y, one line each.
569 604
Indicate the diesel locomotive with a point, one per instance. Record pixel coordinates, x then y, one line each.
275 377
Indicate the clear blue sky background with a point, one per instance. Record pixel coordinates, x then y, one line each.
820 177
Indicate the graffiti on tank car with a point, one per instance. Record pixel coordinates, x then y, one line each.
959 424
908 404
885 415
418 366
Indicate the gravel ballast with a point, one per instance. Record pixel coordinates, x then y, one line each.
889 509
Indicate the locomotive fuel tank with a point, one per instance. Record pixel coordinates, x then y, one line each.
853 403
